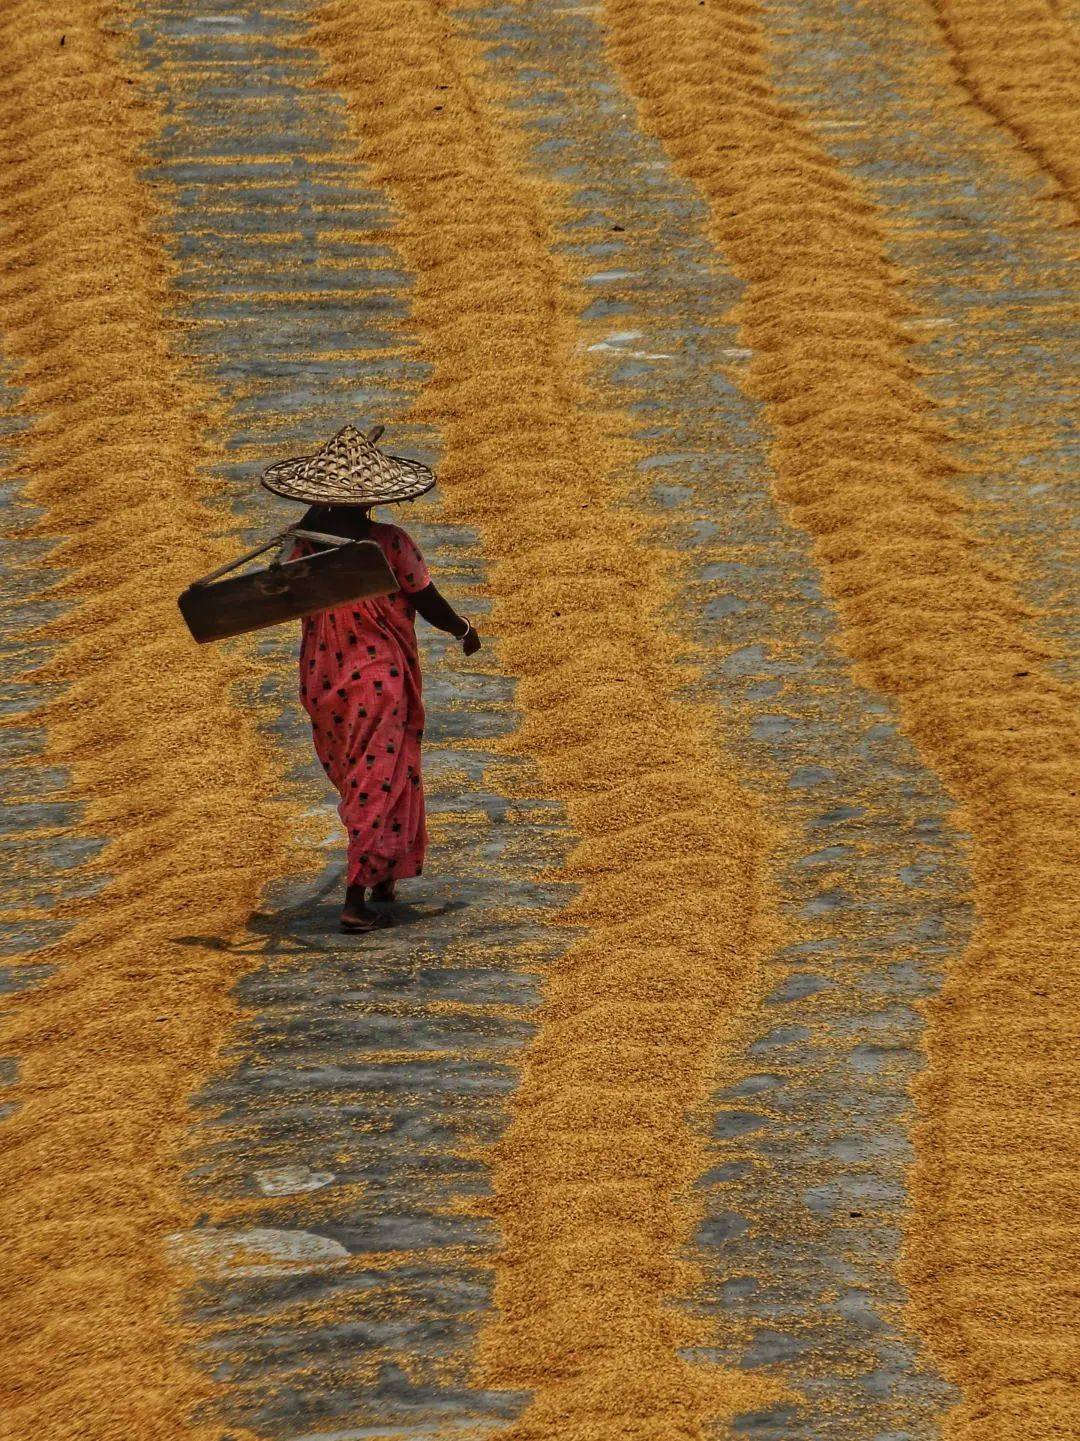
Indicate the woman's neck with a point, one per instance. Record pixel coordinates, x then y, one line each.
341 520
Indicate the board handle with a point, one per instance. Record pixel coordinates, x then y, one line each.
232 564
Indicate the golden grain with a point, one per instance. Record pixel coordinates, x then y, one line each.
1020 61
167 763
934 621
593 1177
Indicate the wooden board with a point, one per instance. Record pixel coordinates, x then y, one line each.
288 591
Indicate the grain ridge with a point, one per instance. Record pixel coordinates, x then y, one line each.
1021 65
163 756
593 1177
933 618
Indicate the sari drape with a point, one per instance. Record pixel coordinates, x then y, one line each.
361 686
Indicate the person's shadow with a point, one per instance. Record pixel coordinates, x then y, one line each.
305 925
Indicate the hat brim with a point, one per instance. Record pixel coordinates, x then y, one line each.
293 480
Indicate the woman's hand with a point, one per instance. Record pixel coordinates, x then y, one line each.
471 642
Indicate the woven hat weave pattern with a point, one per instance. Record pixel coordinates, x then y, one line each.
349 470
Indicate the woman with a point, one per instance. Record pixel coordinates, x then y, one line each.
359 668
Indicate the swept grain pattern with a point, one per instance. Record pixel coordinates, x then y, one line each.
802 1219
865 466
1021 63
168 766
593 1176
371 1070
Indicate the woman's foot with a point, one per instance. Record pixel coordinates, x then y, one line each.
356 917
384 892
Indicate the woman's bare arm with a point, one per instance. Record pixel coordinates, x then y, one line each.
438 611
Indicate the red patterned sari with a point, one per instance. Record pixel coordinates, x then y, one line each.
360 684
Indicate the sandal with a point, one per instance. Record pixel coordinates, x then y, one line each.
361 920
360 926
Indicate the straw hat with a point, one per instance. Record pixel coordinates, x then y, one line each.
349 470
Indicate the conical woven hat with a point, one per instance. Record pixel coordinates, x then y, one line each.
349 470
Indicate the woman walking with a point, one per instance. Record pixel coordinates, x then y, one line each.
360 679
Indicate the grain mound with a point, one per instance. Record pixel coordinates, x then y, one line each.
593 1177
165 761
931 620
1021 63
